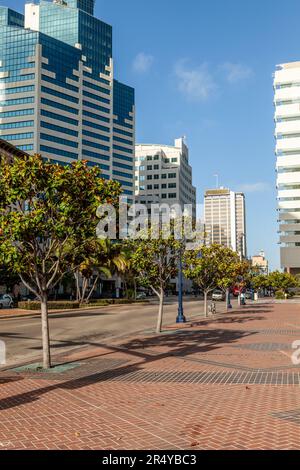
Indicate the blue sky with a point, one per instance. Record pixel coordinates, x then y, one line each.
204 70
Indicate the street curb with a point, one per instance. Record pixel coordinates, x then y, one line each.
35 313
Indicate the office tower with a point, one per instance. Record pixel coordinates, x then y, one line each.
225 219
163 175
287 134
58 92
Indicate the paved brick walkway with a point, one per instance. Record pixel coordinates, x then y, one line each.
227 383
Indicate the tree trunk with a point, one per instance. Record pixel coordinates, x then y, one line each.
45 332
92 289
205 304
134 285
160 311
76 275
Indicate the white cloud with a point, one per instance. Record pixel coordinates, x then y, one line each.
142 62
236 72
253 187
195 83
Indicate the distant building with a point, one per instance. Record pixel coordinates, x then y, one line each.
287 134
10 151
163 175
259 261
225 219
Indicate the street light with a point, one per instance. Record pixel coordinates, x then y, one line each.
180 317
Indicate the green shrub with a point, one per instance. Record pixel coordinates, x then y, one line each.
52 305
279 295
104 302
72 304
96 303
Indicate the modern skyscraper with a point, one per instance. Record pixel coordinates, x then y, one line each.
163 175
58 95
225 219
287 134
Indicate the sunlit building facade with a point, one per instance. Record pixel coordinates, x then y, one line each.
287 135
225 219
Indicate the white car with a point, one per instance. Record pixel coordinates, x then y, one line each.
6 301
141 296
218 295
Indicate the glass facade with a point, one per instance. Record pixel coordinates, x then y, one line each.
56 80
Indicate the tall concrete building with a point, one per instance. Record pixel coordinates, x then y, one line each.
287 135
163 175
58 95
225 219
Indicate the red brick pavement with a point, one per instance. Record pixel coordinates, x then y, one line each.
227 383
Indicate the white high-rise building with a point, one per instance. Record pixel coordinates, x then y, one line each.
225 219
163 175
287 134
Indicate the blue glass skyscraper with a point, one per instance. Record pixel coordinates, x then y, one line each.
58 95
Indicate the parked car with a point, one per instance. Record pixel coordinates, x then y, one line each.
6 301
141 295
249 294
218 295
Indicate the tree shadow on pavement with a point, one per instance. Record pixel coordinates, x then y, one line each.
178 344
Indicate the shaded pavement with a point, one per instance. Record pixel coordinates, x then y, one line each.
223 383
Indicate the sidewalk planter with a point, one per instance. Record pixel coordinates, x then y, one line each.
52 305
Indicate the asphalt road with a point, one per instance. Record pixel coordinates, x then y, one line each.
22 336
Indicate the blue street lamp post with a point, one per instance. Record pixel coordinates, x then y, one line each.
180 317
228 299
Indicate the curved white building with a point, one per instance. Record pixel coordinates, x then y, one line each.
287 134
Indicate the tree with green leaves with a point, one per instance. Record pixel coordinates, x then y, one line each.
231 271
155 258
259 281
48 214
282 281
210 267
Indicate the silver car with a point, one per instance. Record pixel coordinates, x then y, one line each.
6 301
218 295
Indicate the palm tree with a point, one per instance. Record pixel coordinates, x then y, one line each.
103 257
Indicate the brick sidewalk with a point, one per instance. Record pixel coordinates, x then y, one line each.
227 383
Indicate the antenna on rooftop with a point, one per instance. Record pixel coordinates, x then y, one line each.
217 180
